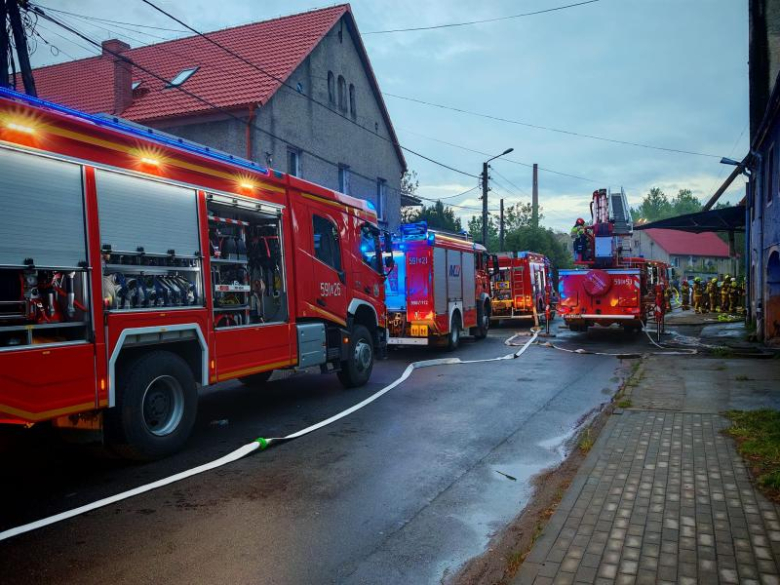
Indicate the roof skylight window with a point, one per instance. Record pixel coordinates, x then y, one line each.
136 84
183 76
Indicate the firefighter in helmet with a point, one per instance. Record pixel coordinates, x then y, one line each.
698 292
685 294
580 239
724 294
711 288
734 296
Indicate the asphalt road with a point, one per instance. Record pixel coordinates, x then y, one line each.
403 491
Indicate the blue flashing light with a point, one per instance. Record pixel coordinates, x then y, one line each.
414 230
371 206
148 134
364 248
431 239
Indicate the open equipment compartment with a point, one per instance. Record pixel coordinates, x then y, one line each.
44 292
150 245
247 262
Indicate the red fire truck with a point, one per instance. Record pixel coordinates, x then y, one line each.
609 286
136 267
522 287
439 287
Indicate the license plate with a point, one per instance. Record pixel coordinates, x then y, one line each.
419 331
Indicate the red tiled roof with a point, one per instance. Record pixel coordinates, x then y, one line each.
277 46
682 243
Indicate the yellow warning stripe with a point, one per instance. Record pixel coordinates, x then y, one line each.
254 370
46 414
330 316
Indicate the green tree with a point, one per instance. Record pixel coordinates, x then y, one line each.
409 183
684 202
474 229
654 206
436 216
542 240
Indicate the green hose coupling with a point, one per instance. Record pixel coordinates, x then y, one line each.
262 442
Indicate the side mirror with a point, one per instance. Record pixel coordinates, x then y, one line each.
389 261
494 263
343 277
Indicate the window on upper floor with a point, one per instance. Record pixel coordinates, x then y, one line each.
342 93
293 162
331 88
344 179
352 104
381 199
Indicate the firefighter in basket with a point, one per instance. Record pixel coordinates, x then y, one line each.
698 293
724 295
685 295
580 240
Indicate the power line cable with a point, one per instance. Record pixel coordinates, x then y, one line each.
296 92
510 182
550 128
116 22
482 21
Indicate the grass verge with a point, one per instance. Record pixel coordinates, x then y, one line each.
757 433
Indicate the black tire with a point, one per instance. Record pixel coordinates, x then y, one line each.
356 371
483 321
156 406
256 379
453 339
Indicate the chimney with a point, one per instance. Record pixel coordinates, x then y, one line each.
123 74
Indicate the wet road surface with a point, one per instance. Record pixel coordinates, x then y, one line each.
403 491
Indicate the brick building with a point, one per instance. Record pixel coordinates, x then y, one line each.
348 145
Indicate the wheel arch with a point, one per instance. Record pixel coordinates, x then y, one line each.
185 340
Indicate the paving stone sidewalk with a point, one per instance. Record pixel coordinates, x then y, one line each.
663 498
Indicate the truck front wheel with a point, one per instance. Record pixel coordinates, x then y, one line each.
156 406
483 321
356 370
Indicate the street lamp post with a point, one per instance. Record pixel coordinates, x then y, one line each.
485 168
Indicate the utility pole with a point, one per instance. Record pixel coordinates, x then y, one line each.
5 46
485 204
501 229
485 189
535 198
20 40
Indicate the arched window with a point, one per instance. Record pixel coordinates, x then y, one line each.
342 93
352 104
331 88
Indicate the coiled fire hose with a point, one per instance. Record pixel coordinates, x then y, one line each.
259 444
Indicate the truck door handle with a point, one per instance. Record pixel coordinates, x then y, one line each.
367 290
321 302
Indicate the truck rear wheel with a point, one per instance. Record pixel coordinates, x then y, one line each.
483 321
356 370
453 339
156 406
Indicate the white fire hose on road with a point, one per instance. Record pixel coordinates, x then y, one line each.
258 444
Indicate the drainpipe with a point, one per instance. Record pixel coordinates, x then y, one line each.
249 122
759 198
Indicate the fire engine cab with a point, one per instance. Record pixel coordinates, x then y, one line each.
522 287
609 286
136 267
439 288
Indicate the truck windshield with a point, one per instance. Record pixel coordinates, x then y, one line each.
370 247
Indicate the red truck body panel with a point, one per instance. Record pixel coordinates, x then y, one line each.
44 378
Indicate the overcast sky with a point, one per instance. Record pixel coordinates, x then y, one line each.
670 73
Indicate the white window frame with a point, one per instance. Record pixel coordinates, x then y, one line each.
344 178
381 198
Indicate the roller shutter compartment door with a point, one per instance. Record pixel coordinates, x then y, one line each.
139 213
469 281
41 211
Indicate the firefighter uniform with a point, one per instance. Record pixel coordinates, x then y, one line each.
698 293
724 295
668 299
734 296
711 304
685 295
